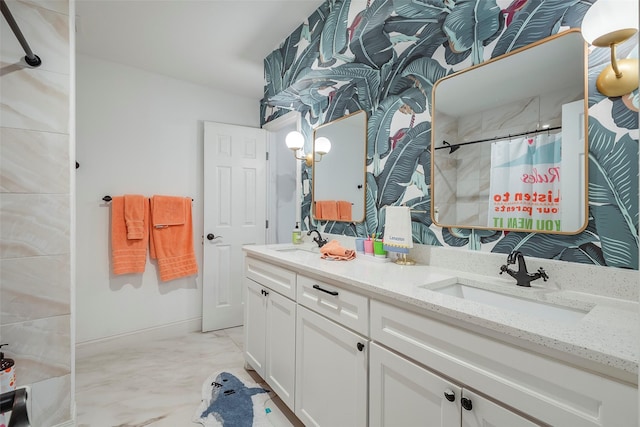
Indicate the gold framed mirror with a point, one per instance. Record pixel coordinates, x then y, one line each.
339 174
509 141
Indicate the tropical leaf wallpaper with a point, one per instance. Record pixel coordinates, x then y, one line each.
384 56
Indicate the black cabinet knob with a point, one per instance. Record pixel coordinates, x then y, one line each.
360 346
466 403
450 395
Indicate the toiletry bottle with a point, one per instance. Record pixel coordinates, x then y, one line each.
7 378
296 236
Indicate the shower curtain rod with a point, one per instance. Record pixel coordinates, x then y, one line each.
31 58
454 147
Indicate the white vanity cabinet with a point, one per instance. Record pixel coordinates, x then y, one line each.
269 327
403 393
331 360
543 388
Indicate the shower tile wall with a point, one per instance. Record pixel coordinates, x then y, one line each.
35 207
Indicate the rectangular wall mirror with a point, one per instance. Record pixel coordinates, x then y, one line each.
509 141
339 176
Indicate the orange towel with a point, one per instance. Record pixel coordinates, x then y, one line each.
127 255
326 210
344 210
172 245
334 250
168 210
135 209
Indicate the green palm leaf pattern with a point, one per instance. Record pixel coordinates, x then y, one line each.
274 67
429 39
401 48
535 21
474 238
613 194
469 24
420 210
370 44
427 71
289 49
365 79
334 33
623 116
342 103
540 245
371 223
399 168
423 235
422 9
378 129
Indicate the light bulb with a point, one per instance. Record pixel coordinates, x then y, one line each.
294 140
322 145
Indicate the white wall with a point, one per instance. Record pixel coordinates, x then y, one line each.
140 133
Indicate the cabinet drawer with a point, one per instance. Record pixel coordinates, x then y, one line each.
277 278
345 307
543 388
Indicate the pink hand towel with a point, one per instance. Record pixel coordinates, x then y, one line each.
172 245
135 209
127 255
334 250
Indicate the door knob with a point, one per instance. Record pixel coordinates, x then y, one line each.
211 236
466 403
450 395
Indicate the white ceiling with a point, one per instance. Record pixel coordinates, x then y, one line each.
213 43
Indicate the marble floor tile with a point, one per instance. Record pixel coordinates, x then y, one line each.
158 382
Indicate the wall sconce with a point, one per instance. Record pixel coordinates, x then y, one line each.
608 23
295 142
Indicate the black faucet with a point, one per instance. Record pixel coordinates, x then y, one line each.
523 277
319 240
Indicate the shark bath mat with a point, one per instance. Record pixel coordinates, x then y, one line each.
230 400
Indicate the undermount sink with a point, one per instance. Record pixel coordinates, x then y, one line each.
512 303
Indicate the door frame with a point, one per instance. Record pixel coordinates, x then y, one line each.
290 120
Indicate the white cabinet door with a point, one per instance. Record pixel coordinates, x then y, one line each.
255 326
484 413
331 373
402 393
281 346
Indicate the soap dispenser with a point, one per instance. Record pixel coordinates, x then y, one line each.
296 236
7 377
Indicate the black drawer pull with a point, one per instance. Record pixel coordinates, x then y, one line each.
450 395
334 293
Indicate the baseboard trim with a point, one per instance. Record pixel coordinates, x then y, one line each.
93 347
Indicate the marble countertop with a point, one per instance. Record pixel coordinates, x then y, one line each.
606 339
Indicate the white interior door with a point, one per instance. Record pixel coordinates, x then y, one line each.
234 215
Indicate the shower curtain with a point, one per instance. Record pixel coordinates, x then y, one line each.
525 183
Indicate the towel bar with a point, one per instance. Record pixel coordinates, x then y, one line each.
108 199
